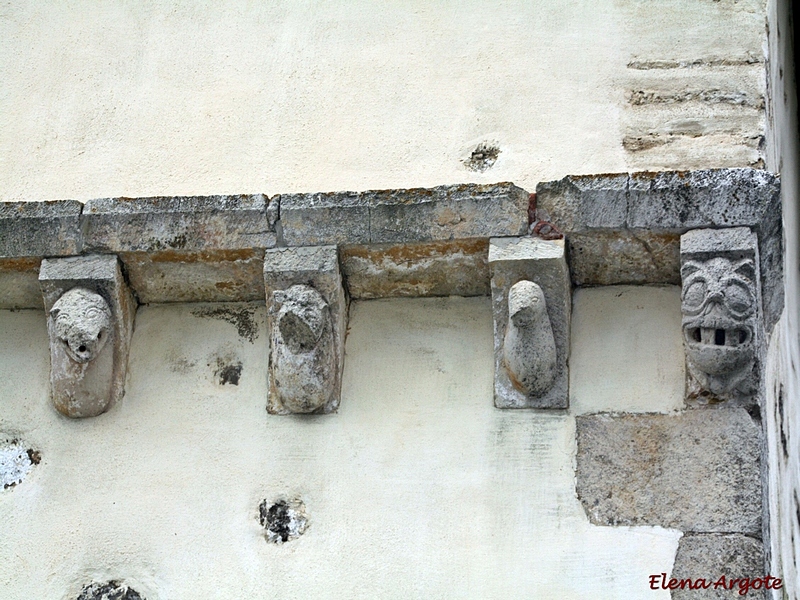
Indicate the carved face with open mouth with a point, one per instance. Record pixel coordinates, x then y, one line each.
82 321
718 303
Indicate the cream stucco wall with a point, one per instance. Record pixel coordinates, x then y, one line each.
417 488
119 98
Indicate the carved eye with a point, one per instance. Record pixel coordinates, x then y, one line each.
738 298
695 293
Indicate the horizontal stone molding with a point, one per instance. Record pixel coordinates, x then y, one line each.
39 229
619 228
404 216
181 224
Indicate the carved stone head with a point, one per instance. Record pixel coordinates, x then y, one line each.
529 349
719 306
526 304
81 319
302 317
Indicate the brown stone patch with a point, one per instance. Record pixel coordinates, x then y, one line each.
441 268
20 265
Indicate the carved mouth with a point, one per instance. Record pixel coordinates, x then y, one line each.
718 348
718 336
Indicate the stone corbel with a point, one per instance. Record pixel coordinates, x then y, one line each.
720 303
531 304
307 320
90 312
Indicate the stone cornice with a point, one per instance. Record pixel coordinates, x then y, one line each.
620 228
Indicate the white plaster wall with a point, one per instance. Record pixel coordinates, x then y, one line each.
112 98
626 352
417 488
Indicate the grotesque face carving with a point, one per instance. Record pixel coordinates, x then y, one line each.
719 316
81 319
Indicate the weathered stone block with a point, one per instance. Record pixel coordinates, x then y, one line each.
207 276
577 203
283 520
396 216
706 198
452 268
40 228
697 471
90 313
177 224
530 324
720 304
319 219
448 212
16 462
307 320
625 256
711 556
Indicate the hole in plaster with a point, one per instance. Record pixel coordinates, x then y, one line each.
695 333
230 374
112 590
483 157
719 337
284 520
16 462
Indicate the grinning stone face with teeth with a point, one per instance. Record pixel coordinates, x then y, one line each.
718 303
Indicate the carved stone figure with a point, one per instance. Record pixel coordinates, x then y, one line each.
303 353
82 320
90 312
307 320
529 348
719 305
531 304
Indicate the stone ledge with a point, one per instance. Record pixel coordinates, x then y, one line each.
181 223
619 228
447 212
39 229
670 200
